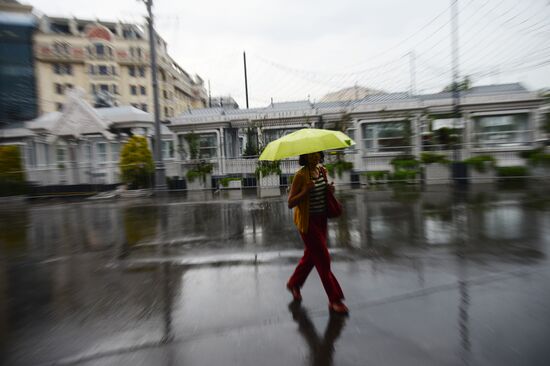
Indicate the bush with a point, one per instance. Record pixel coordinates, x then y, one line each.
12 177
405 162
265 168
481 162
536 157
201 170
376 175
338 167
512 171
431 158
225 181
404 175
136 162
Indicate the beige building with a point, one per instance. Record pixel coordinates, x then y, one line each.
110 61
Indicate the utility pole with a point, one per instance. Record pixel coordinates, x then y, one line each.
160 175
412 67
454 51
209 96
245 79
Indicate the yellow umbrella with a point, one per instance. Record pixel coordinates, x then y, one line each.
305 141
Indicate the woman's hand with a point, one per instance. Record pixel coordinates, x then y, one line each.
331 187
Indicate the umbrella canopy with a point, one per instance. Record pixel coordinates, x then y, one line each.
305 141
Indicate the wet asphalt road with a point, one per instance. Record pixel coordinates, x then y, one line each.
440 277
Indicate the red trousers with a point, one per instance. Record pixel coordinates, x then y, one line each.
316 254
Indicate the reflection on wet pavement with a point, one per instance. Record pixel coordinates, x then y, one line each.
431 277
321 349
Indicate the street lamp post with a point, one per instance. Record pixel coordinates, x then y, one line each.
160 175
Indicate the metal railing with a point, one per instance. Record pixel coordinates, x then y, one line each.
367 170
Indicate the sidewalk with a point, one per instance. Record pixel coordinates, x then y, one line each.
431 278
414 311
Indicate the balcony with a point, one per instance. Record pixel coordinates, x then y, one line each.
105 77
50 52
125 58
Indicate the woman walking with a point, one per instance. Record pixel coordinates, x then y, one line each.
308 198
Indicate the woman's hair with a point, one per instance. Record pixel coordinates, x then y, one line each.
303 158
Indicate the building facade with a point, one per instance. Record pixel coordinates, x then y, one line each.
81 144
496 120
18 101
110 62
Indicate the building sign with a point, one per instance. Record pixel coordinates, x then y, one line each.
99 32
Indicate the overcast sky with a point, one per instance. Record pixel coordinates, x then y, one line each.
301 48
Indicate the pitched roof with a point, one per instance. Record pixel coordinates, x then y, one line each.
295 108
44 122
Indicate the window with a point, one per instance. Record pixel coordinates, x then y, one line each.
104 87
61 48
144 107
115 89
30 154
68 86
61 155
135 52
59 107
99 49
113 70
132 70
69 69
58 88
166 111
168 149
504 130
42 154
208 146
386 136
102 70
142 90
57 69
133 90
274 134
115 148
87 151
91 70
142 71
101 152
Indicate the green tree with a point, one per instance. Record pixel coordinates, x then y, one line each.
136 162
12 177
